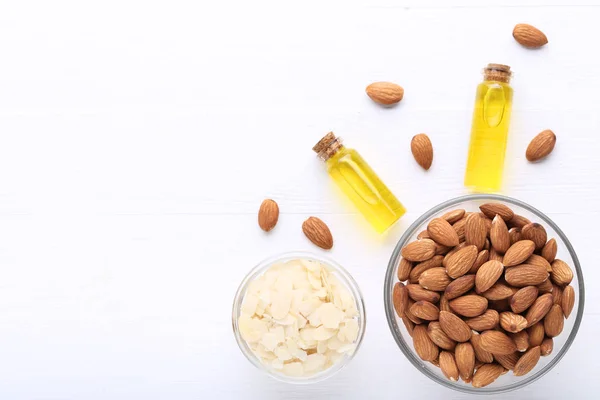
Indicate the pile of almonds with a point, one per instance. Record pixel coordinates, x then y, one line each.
484 293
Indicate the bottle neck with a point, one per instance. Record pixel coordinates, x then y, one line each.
331 150
497 73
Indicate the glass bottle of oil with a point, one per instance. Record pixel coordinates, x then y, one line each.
489 133
360 183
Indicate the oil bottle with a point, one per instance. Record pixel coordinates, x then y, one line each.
360 183
489 133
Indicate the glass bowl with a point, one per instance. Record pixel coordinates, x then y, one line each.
340 273
506 382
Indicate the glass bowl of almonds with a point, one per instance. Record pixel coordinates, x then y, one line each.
299 317
484 294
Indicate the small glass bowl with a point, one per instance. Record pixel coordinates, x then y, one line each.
506 382
340 273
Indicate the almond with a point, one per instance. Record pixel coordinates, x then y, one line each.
422 150
423 235
499 235
454 327
487 275
497 342
404 269
519 252
541 145
437 336
487 374
454 215
409 325
442 232
512 322
481 259
408 313
461 262
514 235
475 231
539 309
539 260
480 353
568 300
561 273
385 93
400 299
419 250
460 226
536 233
268 215
435 279
499 291
492 209
441 250
485 321
469 306
418 269
452 252
508 361
528 361
549 250
521 340
464 356
318 232
460 286
417 293
536 334
448 366
556 294
425 310
523 298
495 256
525 275
444 306
423 345
518 221
529 36
546 287
554 321
547 346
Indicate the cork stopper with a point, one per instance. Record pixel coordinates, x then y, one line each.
497 72
327 146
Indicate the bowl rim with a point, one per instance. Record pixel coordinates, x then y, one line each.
409 352
346 279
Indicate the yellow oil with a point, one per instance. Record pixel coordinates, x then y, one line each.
489 135
364 188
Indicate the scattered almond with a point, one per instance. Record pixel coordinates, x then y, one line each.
268 215
529 36
487 374
492 209
541 145
469 305
485 321
554 321
549 250
512 322
423 345
523 298
519 252
568 300
528 361
422 150
497 342
487 275
385 93
318 232
536 233
419 250
437 336
454 327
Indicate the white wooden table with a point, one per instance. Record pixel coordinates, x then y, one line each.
139 137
